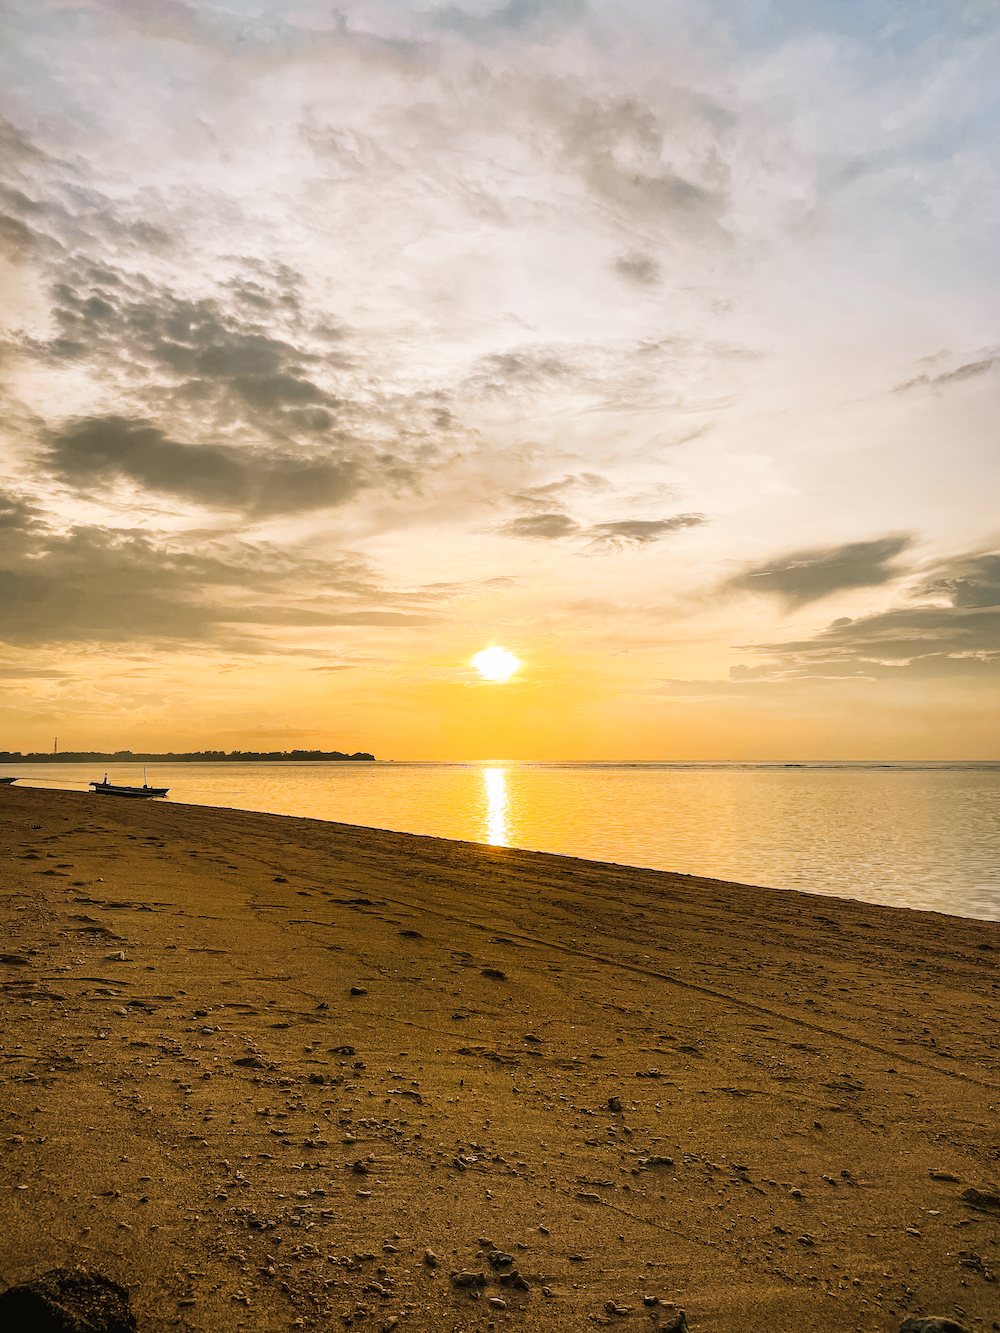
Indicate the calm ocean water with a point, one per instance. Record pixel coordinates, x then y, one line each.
912 835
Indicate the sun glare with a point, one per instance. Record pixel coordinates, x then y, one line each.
495 663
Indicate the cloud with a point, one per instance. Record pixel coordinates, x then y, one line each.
638 268
970 581
807 576
17 515
541 527
550 494
970 370
553 525
927 641
31 673
960 638
100 450
94 584
641 532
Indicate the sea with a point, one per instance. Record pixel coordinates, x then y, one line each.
919 835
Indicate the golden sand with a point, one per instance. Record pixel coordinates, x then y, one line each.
255 1067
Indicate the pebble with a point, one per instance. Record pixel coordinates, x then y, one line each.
498 1303
430 1259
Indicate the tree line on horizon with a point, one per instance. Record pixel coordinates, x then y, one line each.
191 756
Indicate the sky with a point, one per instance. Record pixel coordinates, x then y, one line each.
654 342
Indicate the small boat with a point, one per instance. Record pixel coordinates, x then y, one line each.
5 782
107 788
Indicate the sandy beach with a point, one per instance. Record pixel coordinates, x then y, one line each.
268 1072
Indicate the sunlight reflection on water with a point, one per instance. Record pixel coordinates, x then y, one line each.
495 783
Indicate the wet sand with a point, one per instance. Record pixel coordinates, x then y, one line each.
255 1067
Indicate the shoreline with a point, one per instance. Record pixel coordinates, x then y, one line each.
803 1062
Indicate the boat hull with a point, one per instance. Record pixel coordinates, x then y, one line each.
111 789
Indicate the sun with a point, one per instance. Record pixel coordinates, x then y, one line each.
495 664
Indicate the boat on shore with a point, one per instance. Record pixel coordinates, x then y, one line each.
6 782
107 788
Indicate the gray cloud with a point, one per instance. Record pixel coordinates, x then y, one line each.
550 495
962 638
541 527
807 576
96 584
641 532
97 451
638 268
970 370
970 581
235 401
931 641
554 524
31 673
17 515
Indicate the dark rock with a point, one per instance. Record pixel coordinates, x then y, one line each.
410 935
678 1324
514 1279
317 1078
933 1324
494 973
358 990
467 1279
61 1301
250 1062
614 1104
982 1198
497 1259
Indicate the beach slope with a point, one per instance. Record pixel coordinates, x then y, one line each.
269 1072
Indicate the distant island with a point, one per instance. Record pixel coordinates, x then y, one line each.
191 757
